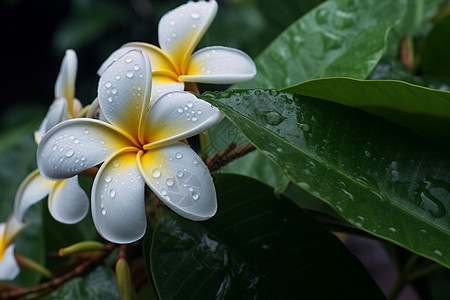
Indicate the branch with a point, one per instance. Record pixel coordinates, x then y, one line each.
223 157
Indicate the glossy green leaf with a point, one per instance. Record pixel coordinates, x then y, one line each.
375 174
99 284
434 54
337 38
425 111
256 247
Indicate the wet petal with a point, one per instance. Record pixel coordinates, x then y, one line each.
67 202
11 229
124 91
178 176
9 268
161 62
76 145
220 65
162 85
178 115
118 208
112 58
65 82
32 189
181 29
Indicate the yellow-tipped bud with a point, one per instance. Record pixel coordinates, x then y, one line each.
124 280
86 246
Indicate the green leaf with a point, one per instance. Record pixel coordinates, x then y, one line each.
378 176
98 284
434 54
337 38
256 247
425 111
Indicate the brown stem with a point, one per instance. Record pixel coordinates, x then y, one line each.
191 87
223 157
58 281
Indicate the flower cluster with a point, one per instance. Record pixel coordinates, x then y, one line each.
137 139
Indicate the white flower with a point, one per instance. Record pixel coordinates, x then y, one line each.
9 268
180 30
67 201
138 145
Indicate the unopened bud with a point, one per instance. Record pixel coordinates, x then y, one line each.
86 246
124 280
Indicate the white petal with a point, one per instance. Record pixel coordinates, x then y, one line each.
76 145
178 115
162 85
112 58
178 176
161 62
124 90
9 268
32 189
221 65
11 229
181 29
118 208
57 113
67 202
65 82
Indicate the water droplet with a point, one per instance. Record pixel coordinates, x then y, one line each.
169 95
130 74
108 84
392 229
117 77
195 196
180 110
195 162
69 153
190 104
164 192
110 99
273 93
180 174
170 181
199 112
438 252
156 173
112 193
116 163
273 118
172 23
83 158
103 211
128 60
108 178
54 147
367 153
136 67
195 16
86 131
114 91
178 155
194 119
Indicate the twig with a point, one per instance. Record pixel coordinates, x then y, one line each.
223 157
58 281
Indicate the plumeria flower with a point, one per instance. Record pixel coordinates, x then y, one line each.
9 268
174 63
67 201
139 145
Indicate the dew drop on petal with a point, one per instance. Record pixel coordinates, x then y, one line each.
86 131
108 84
169 95
195 196
76 141
180 110
156 173
190 104
54 147
116 163
114 91
128 60
130 74
136 67
112 193
110 99
170 181
108 178
180 174
195 16
69 153
179 155
103 211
